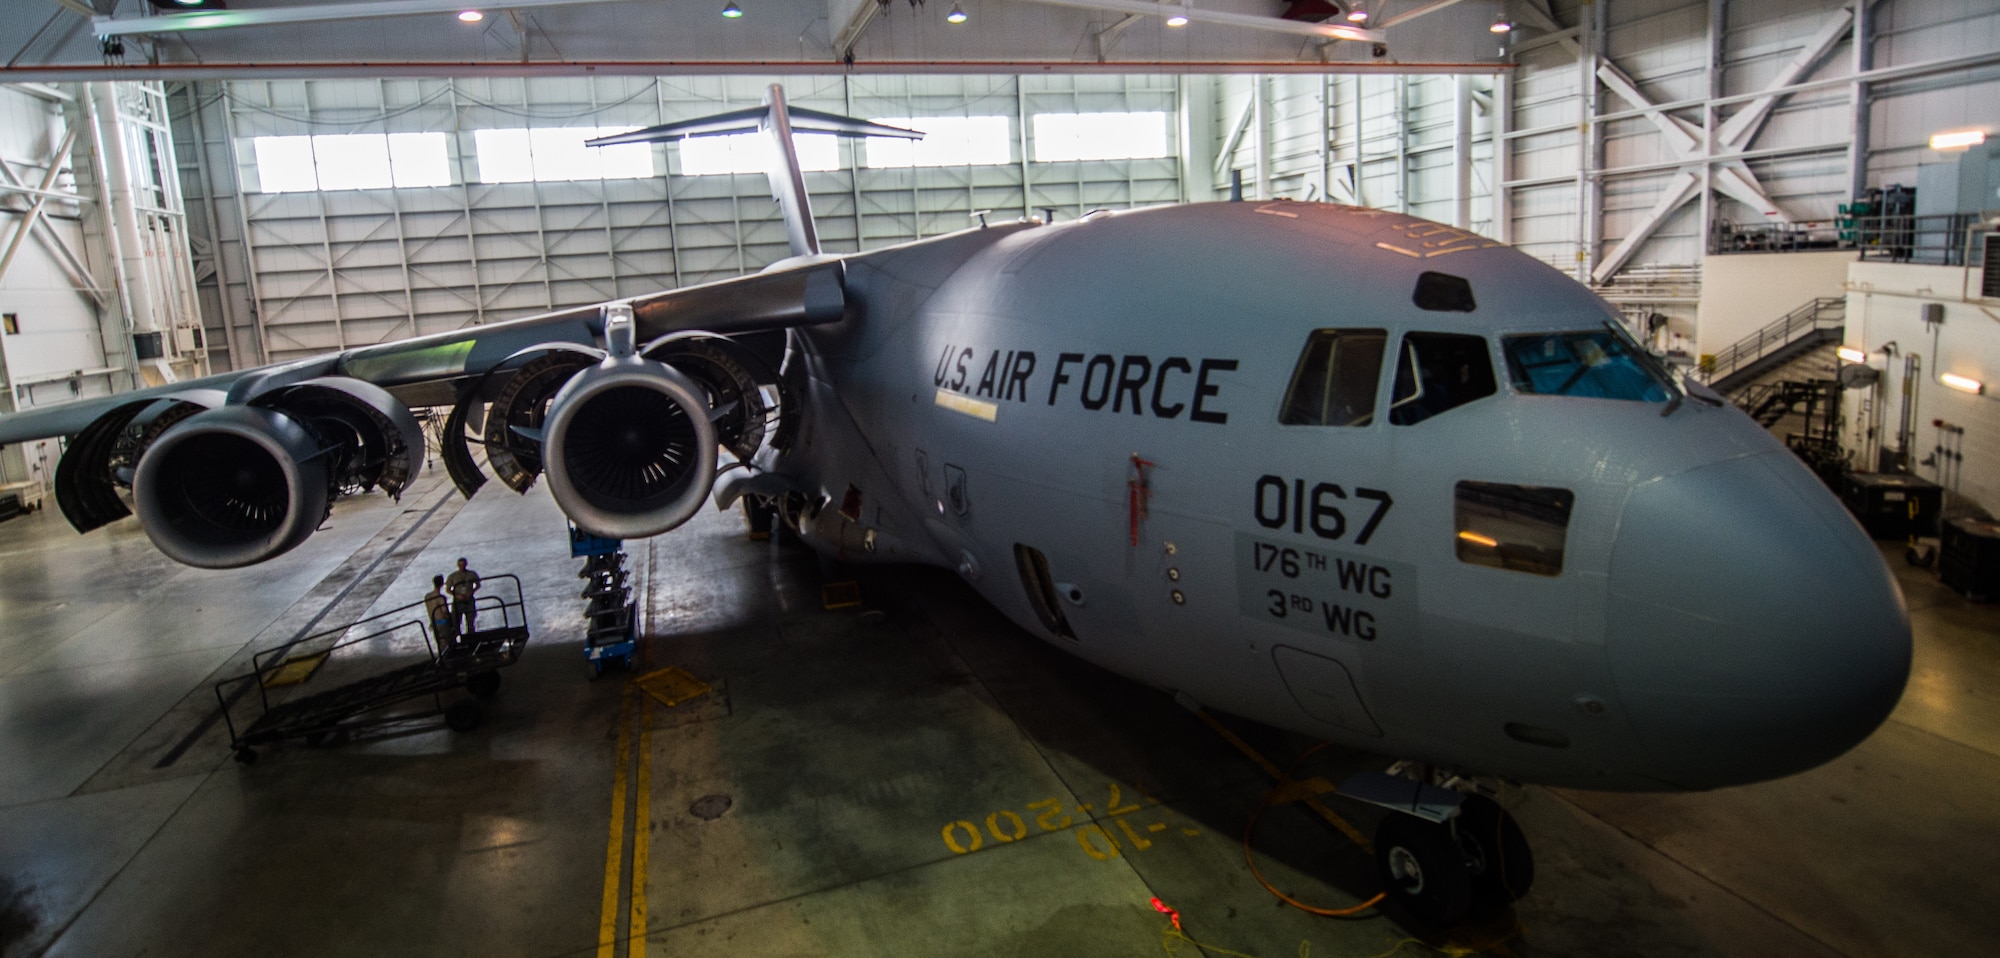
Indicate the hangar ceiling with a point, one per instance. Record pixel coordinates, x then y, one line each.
137 39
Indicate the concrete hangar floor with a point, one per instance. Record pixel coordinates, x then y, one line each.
915 777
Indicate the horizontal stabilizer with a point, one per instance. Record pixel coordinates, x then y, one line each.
745 121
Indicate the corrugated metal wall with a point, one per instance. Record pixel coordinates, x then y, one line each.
1618 154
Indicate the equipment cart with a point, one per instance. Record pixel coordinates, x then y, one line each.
378 664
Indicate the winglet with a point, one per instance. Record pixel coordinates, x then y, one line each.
788 181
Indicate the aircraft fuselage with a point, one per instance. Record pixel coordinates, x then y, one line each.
1115 430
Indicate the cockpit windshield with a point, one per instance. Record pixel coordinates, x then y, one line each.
1600 364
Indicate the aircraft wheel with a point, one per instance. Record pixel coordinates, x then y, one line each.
1423 869
463 715
1496 851
483 685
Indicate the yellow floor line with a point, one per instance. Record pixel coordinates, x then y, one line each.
642 831
614 853
1353 834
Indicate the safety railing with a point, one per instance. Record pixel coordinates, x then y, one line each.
1822 312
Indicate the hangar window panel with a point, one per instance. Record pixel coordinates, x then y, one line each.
285 164
1335 379
1597 364
419 159
948 141
750 153
1439 372
1522 528
504 156
1099 136
353 161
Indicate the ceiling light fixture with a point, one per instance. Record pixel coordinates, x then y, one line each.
1957 140
470 16
1852 355
1502 25
1964 384
1177 20
957 15
732 11
1357 15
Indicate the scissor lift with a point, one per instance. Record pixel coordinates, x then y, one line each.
611 617
470 661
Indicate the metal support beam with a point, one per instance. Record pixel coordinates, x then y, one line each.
1863 59
1461 153
31 219
1326 31
1425 10
1503 158
1227 156
1739 129
315 13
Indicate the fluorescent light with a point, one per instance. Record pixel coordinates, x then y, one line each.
732 11
471 16
1478 540
1963 383
957 14
1177 21
1957 140
1852 355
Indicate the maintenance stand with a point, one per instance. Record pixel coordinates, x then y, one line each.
365 696
611 618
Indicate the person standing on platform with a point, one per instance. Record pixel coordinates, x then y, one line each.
437 608
462 585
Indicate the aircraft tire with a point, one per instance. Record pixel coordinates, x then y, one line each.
463 715
1423 870
1496 851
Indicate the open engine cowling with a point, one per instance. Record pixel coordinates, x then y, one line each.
231 486
629 448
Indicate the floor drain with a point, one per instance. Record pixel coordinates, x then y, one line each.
708 808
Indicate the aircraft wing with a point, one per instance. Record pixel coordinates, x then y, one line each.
801 296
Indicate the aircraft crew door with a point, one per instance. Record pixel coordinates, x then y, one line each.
1317 555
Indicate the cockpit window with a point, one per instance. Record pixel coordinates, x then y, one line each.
1437 372
1334 382
1598 364
1513 527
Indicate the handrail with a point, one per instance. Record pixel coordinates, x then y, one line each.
510 612
1776 335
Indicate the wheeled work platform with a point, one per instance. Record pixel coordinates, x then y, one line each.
358 657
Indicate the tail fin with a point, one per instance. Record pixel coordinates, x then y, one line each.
788 181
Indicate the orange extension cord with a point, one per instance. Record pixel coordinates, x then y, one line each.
1251 859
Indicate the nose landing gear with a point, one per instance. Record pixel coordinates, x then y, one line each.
1443 848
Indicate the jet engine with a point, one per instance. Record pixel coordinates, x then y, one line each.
226 481
629 447
231 486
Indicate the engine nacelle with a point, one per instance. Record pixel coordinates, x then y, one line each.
231 486
629 448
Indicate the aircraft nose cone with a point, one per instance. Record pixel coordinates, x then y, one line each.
1752 628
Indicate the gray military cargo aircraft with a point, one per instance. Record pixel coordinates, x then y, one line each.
1338 470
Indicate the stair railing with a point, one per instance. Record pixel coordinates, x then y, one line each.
1821 312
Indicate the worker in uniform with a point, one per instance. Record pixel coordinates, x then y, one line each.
462 585
437 608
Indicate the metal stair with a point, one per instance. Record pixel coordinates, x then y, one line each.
1819 321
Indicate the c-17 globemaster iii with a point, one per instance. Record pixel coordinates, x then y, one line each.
1338 470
